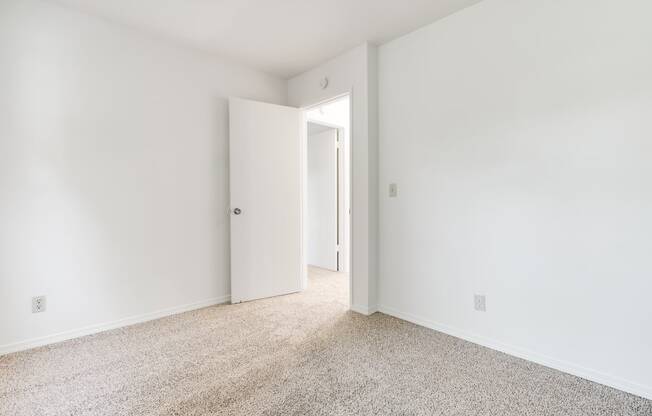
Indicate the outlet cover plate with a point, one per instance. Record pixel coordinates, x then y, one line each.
480 303
38 304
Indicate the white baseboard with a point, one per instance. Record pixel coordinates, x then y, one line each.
364 309
93 329
564 366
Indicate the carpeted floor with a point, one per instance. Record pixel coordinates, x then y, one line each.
301 354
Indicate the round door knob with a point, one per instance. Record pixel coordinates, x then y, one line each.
237 211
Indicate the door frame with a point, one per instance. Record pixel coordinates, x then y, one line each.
348 175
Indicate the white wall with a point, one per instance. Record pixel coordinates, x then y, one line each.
354 72
519 134
113 172
322 199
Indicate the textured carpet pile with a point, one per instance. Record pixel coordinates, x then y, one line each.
301 354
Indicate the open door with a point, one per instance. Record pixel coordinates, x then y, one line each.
265 185
322 196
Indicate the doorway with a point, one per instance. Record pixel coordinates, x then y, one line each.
327 191
268 179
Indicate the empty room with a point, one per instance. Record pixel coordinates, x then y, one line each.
360 207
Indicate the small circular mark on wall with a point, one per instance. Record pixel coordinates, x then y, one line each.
323 83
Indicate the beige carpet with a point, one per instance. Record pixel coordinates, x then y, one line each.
300 354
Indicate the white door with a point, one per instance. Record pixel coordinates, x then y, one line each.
265 185
322 184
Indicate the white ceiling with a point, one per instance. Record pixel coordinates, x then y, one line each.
282 37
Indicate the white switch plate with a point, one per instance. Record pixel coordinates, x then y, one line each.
393 190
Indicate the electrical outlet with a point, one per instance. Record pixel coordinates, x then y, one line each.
480 303
393 190
38 304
